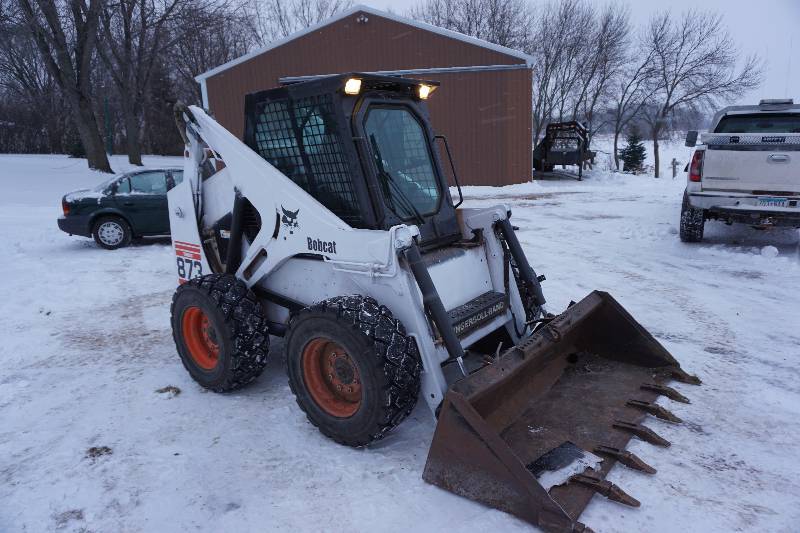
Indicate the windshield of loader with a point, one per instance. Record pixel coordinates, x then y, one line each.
403 157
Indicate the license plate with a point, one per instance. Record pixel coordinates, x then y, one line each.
773 202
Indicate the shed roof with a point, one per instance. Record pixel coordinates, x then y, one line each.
528 60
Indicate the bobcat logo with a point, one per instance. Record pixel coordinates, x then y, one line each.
289 220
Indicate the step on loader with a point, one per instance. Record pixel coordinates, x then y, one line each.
332 224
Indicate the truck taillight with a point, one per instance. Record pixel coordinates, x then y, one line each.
696 166
65 207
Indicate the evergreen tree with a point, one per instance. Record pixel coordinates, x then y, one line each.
72 144
633 153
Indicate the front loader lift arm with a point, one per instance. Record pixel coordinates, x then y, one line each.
314 229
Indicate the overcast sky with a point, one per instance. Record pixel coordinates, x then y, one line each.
768 28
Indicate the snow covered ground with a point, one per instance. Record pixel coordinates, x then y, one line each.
87 346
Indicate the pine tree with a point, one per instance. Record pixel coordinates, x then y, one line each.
633 153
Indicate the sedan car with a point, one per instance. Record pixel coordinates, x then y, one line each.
124 207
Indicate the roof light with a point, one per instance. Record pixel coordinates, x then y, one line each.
352 86
776 101
424 91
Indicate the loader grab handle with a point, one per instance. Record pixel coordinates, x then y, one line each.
432 302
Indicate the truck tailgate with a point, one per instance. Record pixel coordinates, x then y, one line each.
752 163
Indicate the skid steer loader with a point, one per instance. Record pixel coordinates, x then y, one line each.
332 225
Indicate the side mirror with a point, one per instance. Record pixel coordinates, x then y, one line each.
170 182
691 138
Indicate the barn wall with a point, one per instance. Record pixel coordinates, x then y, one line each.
486 119
484 114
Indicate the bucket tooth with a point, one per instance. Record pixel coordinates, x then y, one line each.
644 433
655 410
681 375
605 488
669 392
625 457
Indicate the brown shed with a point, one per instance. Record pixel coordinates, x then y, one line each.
483 105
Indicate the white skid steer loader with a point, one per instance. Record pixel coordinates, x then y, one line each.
332 225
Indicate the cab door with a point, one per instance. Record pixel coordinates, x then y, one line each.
402 159
144 200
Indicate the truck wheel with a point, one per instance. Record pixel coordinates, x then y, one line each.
352 368
219 331
692 222
111 232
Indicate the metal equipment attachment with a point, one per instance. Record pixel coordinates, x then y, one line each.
535 433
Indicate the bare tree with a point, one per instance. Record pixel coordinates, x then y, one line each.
634 88
604 62
561 28
211 37
276 19
695 62
134 33
503 22
65 33
27 81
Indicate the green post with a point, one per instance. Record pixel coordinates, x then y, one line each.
109 138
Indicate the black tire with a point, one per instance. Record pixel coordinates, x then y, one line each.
385 359
235 326
692 222
111 232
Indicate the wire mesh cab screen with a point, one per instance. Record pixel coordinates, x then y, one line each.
299 137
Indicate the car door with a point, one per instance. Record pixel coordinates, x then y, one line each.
144 201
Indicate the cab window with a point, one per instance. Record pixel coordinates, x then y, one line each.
149 183
403 160
760 123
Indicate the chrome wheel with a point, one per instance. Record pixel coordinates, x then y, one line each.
110 233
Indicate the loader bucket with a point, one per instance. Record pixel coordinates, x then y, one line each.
536 432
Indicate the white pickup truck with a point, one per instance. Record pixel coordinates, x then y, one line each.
745 170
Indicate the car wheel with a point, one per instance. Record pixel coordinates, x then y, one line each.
692 222
111 233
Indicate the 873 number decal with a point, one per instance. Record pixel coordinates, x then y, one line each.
189 268
188 261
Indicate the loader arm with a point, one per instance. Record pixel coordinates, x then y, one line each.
299 223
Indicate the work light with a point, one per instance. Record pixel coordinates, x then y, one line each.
424 91
352 86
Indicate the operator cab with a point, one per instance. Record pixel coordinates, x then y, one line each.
362 146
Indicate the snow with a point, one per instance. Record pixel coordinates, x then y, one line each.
80 194
551 478
87 346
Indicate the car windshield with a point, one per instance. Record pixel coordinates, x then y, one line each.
403 158
107 183
760 123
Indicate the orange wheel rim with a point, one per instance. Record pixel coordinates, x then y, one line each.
200 338
332 377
